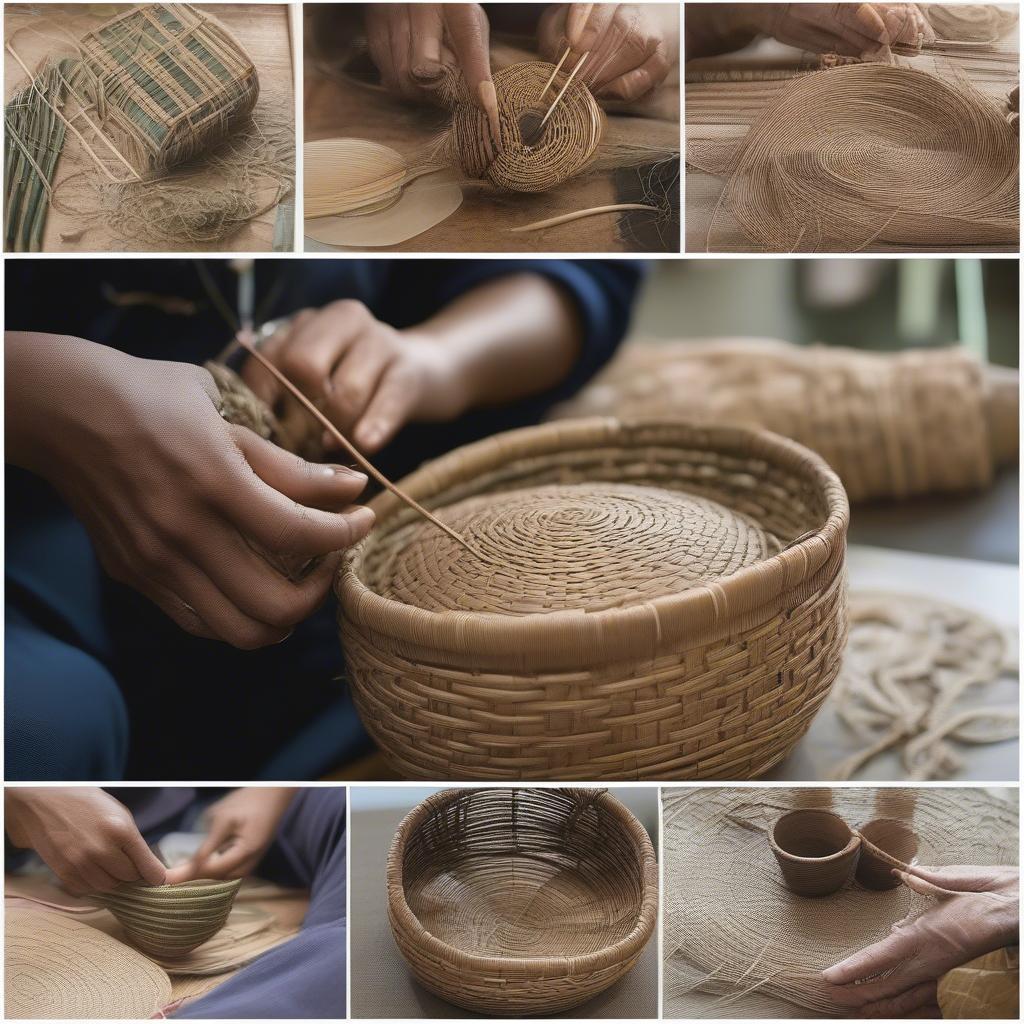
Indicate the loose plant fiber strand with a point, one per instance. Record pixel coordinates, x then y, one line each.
354 452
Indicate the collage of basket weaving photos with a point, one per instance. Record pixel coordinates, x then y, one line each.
511 510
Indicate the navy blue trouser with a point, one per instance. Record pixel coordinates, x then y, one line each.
101 686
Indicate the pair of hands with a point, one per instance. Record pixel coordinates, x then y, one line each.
178 502
414 44
974 911
91 842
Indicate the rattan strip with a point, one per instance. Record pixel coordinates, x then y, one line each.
521 902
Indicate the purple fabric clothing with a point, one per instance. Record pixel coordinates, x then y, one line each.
304 977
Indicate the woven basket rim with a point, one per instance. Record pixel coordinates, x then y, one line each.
539 967
596 635
852 843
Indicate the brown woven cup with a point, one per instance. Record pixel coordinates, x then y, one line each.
816 850
886 844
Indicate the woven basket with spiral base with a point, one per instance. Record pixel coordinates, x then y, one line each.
171 920
521 902
650 600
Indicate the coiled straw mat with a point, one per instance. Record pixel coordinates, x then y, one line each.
521 902
646 600
59 968
866 153
738 943
169 921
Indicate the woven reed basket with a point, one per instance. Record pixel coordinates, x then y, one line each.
521 902
653 600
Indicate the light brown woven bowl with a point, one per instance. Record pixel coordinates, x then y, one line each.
521 902
712 679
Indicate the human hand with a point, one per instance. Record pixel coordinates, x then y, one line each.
975 910
177 501
849 29
366 377
628 46
240 828
88 839
414 44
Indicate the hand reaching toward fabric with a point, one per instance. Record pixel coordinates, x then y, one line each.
974 910
628 45
86 837
178 502
412 45
849 29
240 828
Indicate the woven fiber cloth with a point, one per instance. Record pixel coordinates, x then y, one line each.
891 425
59 967
738 943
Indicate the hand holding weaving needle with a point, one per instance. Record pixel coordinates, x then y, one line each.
87 838
178 503
628 45
974 910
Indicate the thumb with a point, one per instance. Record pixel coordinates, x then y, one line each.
872 960
469 35
315 485
957 878
921 885
146 862
220 830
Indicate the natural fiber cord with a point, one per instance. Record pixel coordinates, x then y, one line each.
521 902
653 600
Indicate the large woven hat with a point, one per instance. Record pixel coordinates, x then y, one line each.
641 600
521 901
169 921
58 967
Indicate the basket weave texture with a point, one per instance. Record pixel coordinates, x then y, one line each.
169 921
521 902
168 82
653 600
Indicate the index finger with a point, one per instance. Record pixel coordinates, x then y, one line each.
469 36
890 952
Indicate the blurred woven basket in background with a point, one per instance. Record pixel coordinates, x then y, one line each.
654 600
521 902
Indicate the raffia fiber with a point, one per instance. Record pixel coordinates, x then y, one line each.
167 81
870 153
891 425
521 902
567 145
169 921
914 672
737 943
668 675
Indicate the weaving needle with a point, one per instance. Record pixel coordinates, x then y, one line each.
568 82
558 67
245 340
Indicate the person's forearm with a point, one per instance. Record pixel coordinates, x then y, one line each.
507 339
719 28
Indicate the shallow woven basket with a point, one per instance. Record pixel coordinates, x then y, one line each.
168 921
521 902
717 678
169 81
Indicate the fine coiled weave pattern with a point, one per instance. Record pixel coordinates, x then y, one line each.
865 153
565 147
584 547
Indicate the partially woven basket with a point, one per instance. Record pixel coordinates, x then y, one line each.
521 902
168 921
168 82
649 600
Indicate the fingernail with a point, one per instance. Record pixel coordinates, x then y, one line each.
489 101
427 72
282 640
346 471
370 436
362 518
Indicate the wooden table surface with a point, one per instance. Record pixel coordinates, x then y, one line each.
336 107
38 31
719 114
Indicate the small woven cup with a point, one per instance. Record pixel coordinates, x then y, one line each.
816 850
886 844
